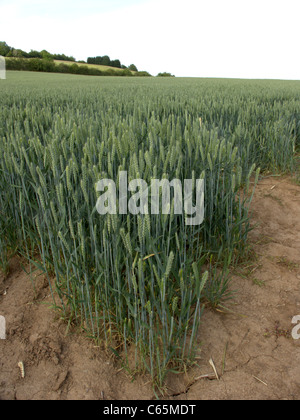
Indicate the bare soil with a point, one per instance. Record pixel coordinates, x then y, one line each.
251 347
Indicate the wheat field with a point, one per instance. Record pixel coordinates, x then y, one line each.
137 283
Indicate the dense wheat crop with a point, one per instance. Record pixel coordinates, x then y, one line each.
136 282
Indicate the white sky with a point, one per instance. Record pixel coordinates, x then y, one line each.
192 38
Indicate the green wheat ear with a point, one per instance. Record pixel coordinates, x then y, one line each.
169 265
174 304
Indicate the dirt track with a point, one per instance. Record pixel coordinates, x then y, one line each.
252 348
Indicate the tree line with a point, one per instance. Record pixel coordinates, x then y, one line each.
106 61
43 65
7 51
45 61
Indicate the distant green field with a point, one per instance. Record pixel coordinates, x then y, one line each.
65 81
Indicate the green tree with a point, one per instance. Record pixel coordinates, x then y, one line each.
165 75
116 63
16 53
74 68
105 60
34 54
132 67
143 74
46 55
4 48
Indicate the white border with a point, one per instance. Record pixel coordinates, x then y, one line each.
2 68
2 328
